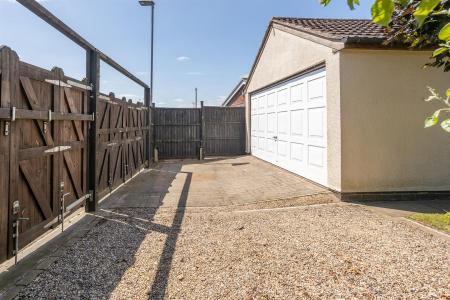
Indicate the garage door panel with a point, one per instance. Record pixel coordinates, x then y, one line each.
254 143
262 144
271 145
255 105
297 93
297 120
283 125
262 103
271 124
262 124
316 122
283 149
297 152
295 129
282 98
254 124
316 156
271 101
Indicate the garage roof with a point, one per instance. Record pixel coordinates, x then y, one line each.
338 30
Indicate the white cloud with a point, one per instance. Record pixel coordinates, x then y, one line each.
183 58
179 100
142 73
195 73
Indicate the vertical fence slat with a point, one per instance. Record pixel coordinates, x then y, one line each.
14 86
5 102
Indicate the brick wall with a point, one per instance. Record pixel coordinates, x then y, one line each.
239 99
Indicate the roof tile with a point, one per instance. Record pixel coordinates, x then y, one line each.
346 30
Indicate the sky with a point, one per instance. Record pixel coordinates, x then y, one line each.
204 44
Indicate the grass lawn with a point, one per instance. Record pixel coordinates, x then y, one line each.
438 221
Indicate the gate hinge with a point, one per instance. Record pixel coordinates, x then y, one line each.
58 83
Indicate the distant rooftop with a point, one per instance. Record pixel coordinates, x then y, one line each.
343 30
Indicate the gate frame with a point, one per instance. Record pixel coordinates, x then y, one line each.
93 58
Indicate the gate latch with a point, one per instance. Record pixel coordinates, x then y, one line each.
16 207
16 223
6 128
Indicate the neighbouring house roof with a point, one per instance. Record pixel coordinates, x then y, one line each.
338 30
236 89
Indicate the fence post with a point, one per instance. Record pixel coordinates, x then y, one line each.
148 105
153 134
202 131
93 78
9 167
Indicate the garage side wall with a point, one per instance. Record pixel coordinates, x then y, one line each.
384 144
285 55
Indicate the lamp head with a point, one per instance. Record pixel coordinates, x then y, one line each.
146 2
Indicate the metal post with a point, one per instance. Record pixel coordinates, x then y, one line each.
152 51
202 131
93 77
148 104
196 98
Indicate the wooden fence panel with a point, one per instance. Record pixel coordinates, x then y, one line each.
180 132
177 132
121 141
42 156
224 130
43 149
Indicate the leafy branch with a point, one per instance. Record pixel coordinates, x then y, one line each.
421 24
434 119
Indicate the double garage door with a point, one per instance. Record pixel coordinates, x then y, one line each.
288 125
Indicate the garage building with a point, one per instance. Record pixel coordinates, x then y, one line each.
328 101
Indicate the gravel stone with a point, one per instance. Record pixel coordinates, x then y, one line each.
338 251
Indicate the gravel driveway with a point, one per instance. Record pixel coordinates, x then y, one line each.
338 251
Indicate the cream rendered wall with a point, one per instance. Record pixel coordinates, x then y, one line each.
286 54
384 144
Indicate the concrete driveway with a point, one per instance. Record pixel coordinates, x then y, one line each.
214 182
239 228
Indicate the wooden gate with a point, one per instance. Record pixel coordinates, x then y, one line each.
224 130
181 132
177 132
122 138
43 150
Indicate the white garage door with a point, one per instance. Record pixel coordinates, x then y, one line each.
289 129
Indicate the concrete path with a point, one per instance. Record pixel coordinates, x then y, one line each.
211 183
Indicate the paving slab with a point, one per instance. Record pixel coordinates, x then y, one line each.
213 182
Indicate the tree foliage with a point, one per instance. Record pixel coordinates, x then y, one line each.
420 24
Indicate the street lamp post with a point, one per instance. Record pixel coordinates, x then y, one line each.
150 3
149 94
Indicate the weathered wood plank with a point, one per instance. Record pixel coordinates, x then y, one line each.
5 101
73 174
27 170
73 109
34 104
